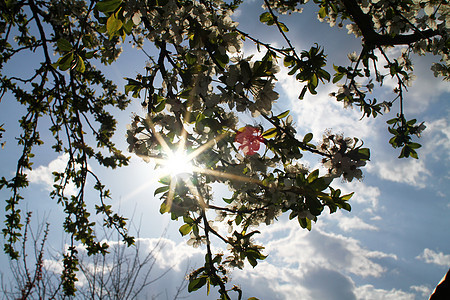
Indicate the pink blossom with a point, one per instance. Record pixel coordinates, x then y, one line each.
250 139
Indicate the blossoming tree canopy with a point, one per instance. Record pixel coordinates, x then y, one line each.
197 85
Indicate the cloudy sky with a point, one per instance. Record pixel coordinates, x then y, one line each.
393 244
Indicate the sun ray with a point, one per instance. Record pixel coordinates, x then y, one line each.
183 160
227 175
158 136
170 196
174 170
197 195
205 146
187 116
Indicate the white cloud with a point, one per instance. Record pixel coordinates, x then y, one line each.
422 289
320 112
52 265
369 292
341 220
314 250
43 174
420 90
351 223
364 193
410 171
172 255
314 265
237 13
437 139
437 258
269 282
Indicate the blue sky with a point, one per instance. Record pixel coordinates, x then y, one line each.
393 245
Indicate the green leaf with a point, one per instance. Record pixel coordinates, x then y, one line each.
314 205
64 45
414 145
164 208
272 132
289 61
322 12
81 67
190 59
313 176
165 180
188 220
65 62
113 24
161 189
346 206
337 77
238 219
305 223
252 261
392 121
128 26
405 152
196 283
364 153
222 60
294 69
411 122
307 138
302 94
266 17
160 107
133 86
323 75
228 200
185 229
283 114
107 6
347 197
314 81
283 27
320 184
393 131
89 54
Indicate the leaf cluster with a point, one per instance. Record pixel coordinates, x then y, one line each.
402 132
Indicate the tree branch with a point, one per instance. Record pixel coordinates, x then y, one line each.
372 38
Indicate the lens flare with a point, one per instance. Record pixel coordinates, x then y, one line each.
177 163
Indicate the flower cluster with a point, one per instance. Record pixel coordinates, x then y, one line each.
245 78
344 158
195 240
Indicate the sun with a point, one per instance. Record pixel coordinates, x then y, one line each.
176 163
